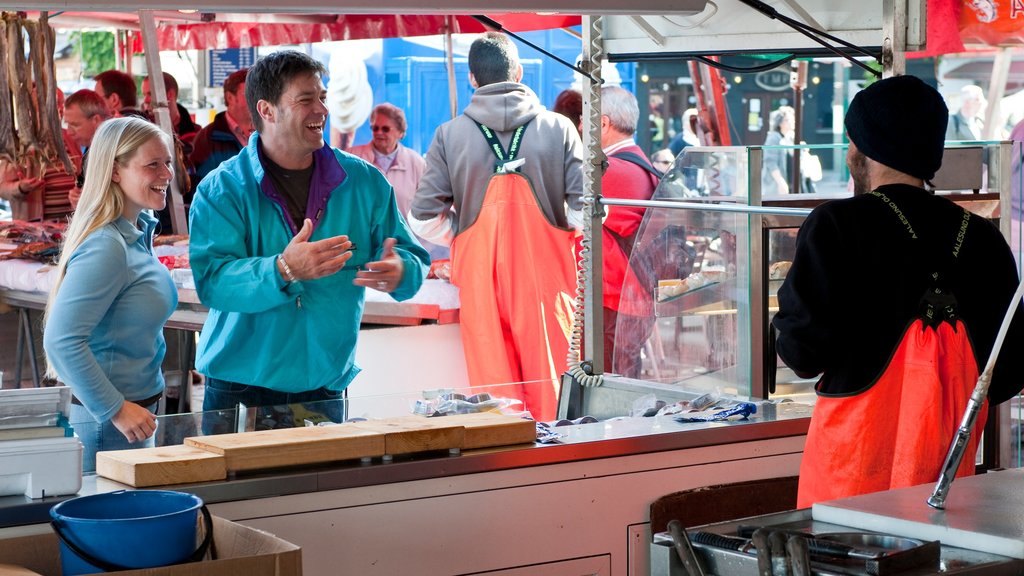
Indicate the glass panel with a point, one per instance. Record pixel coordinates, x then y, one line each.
173 429
688 303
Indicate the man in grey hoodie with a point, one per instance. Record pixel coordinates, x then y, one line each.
515 311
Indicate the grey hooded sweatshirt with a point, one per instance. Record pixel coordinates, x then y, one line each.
460 163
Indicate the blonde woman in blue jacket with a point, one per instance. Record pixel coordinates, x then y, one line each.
107 309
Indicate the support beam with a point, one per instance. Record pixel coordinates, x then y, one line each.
175 202
996 90
593 169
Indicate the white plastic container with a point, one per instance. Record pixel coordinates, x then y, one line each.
29 407
40 467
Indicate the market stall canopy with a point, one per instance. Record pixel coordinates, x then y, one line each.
383 6
733 26
209 30
241 31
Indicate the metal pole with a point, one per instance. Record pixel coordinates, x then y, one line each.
799 82
894 38
963 434
996 89
175 202
593 169
453 93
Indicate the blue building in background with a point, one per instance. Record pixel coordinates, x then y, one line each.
414 77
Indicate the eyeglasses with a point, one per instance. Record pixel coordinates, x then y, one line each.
384 129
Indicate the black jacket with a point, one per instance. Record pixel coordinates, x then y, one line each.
858 277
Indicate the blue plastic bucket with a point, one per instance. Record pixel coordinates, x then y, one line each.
127 529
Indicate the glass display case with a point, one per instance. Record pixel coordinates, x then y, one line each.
713 250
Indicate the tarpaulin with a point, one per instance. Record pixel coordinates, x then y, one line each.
210 35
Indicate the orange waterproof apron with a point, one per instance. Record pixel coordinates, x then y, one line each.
515 272
896 432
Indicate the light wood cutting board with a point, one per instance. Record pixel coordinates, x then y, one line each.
291 446
409 434
489 429
161 466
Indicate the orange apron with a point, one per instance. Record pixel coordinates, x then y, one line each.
896 432
516 274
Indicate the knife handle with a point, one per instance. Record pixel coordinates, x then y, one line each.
724 542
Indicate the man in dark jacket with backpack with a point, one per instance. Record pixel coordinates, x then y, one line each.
627 325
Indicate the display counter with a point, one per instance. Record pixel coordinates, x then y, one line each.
580 503
389 327
24 283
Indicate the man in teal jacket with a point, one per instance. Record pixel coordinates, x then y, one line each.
285 237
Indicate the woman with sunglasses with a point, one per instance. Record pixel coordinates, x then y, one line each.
402 166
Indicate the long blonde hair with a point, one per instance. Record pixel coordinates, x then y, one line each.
102 200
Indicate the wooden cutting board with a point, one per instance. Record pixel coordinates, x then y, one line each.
489 429
409 434
161 466
291 446
207 458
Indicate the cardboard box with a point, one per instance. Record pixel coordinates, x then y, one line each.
241 551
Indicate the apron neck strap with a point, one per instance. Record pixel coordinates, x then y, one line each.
498 149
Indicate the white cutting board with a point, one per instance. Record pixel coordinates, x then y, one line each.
984 513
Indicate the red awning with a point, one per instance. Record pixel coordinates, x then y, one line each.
207 35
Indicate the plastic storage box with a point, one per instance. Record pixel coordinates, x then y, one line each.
40 467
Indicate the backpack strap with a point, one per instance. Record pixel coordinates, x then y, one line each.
937 303
634 158
504 156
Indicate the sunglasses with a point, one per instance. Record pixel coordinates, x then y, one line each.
384 129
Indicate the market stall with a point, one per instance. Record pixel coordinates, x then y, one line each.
580 504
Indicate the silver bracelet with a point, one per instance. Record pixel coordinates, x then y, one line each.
287 270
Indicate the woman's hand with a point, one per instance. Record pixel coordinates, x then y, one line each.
134 421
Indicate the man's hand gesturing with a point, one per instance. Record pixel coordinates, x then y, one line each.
311 260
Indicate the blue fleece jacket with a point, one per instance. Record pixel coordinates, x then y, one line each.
104 331
289 337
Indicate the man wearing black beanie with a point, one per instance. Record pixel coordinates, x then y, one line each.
894 298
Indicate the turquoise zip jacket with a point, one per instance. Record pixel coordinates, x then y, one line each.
261 330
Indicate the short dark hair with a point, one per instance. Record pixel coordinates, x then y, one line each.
120 83
169 83
271 74
235 79
493 58
89 102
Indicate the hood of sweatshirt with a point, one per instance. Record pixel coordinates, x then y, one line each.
503 106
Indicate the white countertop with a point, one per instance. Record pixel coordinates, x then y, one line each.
983 512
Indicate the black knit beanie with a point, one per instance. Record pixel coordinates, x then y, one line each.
900 122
